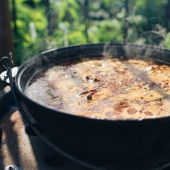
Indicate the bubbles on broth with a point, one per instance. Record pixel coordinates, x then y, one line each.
105 88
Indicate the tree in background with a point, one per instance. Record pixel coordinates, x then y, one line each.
39 25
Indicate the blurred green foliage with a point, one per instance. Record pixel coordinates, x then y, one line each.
39 25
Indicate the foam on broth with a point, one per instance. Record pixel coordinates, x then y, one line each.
105 88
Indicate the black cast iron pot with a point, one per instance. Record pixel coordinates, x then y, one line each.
93 140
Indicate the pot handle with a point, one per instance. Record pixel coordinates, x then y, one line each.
13 86
6 62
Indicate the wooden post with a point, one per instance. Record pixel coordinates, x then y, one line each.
5 31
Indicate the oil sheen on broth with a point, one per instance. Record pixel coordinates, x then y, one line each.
104 88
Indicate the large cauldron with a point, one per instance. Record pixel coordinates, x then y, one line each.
91 139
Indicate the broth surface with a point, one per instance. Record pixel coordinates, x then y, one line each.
105 88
